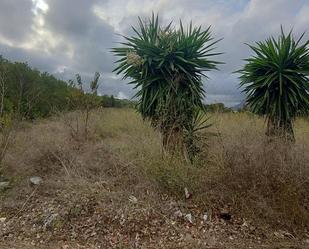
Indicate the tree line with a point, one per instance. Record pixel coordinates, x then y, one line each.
29 94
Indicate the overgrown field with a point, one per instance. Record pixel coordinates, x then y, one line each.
116 189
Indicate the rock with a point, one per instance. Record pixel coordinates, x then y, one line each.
187 194
133 199
36 180
178 214
4 184
245 224
188 217
205 217
2 219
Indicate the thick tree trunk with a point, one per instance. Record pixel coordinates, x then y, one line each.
280 129
172 140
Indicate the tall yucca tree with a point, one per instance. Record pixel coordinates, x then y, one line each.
276 82
166 66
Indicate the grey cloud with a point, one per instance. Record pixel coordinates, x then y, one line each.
90 37
15 19
32 57
73 18
84 39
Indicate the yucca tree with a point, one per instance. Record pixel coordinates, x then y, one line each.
166 66
276 82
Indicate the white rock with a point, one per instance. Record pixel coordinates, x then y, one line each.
188 217
187 194
133 199
205 217
36 180
2 219
245 224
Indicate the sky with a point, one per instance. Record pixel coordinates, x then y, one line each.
65 37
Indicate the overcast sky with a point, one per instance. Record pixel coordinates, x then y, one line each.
65 37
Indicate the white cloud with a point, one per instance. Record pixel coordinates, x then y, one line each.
122 95
39 5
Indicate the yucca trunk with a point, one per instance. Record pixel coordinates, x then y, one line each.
175 115
172 140
171 129
281 129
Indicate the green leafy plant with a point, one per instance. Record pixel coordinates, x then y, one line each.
276 82
166 66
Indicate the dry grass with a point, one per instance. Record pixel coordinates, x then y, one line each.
263 180
238 170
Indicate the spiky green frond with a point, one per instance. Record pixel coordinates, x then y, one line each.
163 61
275 79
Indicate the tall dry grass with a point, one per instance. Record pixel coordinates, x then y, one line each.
238 168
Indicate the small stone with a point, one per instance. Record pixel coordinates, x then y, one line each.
205 217
188 195
188 217
178 214
245 224
2 219
36 180
133 199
